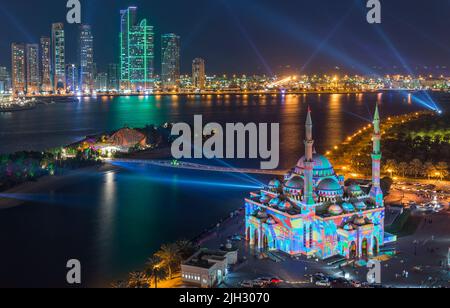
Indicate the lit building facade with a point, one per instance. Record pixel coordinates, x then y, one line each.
113 77
170 60
72 79
198 74
310 212
101 82
86 58
59 61
5 80
136 52
46 65
32 64
18 68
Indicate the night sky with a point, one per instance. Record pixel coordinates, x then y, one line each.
257 36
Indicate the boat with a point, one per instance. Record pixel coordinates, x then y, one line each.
16 104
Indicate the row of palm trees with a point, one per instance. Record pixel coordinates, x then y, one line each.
416 168
163 265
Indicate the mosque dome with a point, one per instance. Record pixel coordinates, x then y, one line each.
295 183
348 207
348 227
354 190
360 206
285 205
329 187
322 166
335 210
275 184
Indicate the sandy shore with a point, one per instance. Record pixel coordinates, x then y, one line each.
49 182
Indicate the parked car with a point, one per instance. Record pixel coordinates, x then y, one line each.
323 283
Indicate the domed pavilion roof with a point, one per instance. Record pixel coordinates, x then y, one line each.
295 183
335 210
322 166
329 186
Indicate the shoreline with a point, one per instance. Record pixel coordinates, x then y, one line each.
47 182
224 93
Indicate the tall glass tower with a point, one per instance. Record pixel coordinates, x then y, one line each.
136 52
170 60
59 61
46 67
18 68
86 58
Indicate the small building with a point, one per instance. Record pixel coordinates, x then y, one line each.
207 268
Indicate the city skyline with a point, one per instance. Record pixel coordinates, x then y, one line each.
287 44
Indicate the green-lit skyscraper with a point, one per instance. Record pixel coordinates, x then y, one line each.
136 52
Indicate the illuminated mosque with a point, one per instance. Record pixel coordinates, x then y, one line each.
312 213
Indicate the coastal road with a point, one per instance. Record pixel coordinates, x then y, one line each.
194 166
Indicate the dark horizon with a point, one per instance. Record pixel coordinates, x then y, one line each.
257 37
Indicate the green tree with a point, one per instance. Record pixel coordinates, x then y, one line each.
416 167
170 257
428 170
403 168
442 169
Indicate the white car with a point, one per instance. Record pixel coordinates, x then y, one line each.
247 284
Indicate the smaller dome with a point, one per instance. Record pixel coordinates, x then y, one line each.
262 215
274 202
329 185
295 183
360 206
275 184
359 221
348 227
354 190
348 207
335 210
285 205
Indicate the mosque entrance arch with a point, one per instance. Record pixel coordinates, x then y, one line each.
265 242
353 251
376 248
365 248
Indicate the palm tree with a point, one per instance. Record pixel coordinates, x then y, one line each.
137 280
186 248
155 272
170 257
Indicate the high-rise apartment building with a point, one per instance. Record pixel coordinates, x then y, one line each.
18 68
86 58
198 74
113 77
170 60
59 61
136 52
32 64
46 65
5 80
72 79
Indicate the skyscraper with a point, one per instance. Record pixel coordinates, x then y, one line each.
113 77
170 62
136 52
46 67
18 68
198 74
72 78
86 58
5 80
59 61
32 60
